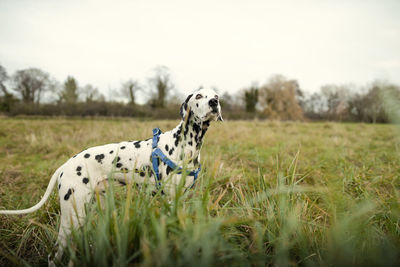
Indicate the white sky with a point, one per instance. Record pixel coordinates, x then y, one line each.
227 44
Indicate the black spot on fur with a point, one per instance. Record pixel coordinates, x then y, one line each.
59 186
79 168
143 174
191 135
119 165
116 160
75 155
87 155
200 139
137 144
124 170
197 104
130 159
99 158
122 147
184 106
169 169
122 183
79 173
149 170
178 135
112 151
68 194
171 151
61 174
166 147
196 128
187 124
190 143
85 180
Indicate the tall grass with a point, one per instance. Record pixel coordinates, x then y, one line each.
249 222
281 194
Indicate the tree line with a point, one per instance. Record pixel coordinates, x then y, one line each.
283 99
34 92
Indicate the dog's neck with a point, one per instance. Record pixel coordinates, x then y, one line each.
188 138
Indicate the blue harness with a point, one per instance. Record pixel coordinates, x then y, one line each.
158 154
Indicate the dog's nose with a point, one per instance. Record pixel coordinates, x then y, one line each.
213 102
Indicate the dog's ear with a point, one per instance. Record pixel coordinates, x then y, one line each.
184 107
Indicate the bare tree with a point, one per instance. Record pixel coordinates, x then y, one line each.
69 94
336 98
279 99
380 103
129 89
3 78
31 84
226 101
7 99
92 94
162 86
314 106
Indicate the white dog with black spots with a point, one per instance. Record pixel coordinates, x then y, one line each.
130 161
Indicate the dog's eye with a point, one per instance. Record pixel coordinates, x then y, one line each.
198 96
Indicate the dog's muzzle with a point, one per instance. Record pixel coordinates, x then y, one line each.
213 103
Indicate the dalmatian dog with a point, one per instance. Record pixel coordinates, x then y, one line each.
130 161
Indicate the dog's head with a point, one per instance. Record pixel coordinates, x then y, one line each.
203 104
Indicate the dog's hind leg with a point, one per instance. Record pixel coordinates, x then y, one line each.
72 216
61 243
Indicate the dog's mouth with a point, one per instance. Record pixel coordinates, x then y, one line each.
214 114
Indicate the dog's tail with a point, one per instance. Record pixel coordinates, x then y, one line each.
49 189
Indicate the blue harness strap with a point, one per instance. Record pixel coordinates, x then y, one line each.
158 154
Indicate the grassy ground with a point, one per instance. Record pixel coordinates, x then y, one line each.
270 193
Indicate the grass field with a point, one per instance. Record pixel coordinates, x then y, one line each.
270 193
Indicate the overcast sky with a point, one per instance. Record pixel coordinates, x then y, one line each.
227 44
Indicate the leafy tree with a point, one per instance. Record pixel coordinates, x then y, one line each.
251 98
31 84
69 94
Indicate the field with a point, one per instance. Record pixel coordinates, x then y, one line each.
270 193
